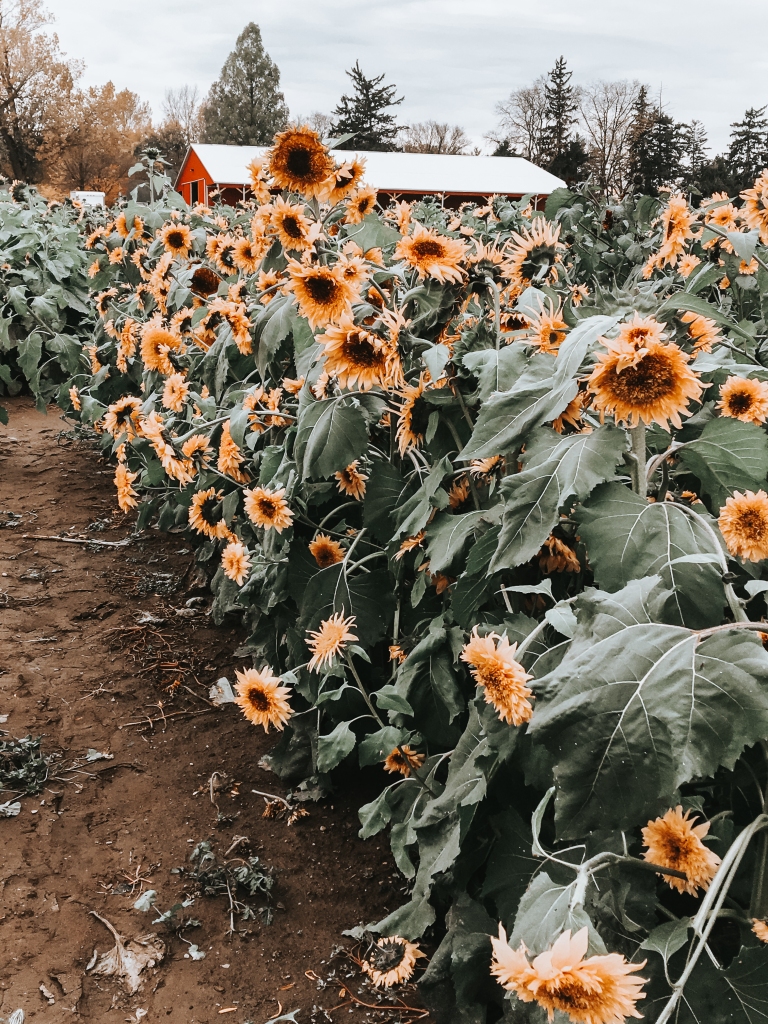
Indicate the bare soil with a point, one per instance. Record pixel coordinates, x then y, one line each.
78 669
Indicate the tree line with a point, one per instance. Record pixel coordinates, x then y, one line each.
611 133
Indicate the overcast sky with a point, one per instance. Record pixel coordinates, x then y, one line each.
451 59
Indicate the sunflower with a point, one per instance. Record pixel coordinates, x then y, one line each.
344 179
557 556
760 928
157 342
267 279
403 760
459 492
354 270
321 292
391 961
413 415
676 224
410 544
743 523
351 481
579 293
247 255
299 161
74 397
326 551
360 204
356 356
548 329
503 679
93 358
261 698
534 253
205 514
745 399
401 214
177 238
220 250
103 299
687 265
432 255
292 228
122 417
126 496
755 209
94 269
197 449
235 562
329 640
293 385
175 392
597 990
268 508
485 469
642 380
396 653
572 414
702 330
230 456
257 172
675 842
204 281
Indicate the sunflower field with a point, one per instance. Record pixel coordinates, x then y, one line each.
488 487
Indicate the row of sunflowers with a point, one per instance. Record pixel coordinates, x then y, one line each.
488 487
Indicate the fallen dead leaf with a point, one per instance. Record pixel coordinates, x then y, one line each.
128 958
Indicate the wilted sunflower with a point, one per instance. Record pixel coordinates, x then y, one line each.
360 204
299 161
403 760
356 356
205 514
702 330
126 496
391 961
292 228
597 990
262 699
321 292
329 640
642 380
413 415
326 551
503 679
344 179
175 392
204 281
268 508
157 342
432 255
557 556
534 253
230 457
744 398
755 209
743 523
673 841
235 562
177 238
122 417
351 481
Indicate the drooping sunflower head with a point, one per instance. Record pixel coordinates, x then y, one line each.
403 759
361 203
326 551
744 398
299 161
206 515
177 239
351 481
391 961
236 562
534 253
268 508
674 841
204 281
413 415
322 293
157 346
127 498
329 640
503 679
432 255
557 556
743 522
262 699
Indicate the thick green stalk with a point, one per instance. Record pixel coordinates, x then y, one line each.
639 478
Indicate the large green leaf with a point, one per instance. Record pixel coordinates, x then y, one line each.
729 455
636 708
447 535
507 417
557 469
331 435
368 597
628 538
545 911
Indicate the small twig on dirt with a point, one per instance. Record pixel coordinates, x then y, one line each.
76 540
271 796
172 714
239 840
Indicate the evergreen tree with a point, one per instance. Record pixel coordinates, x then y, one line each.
366 113
566 154
245 106
695 142
656 148
748 151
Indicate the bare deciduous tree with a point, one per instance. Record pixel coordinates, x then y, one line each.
523 121
181 109
607 115
320 122
435 137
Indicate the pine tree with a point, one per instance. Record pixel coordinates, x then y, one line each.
695 142
365 113
656 148
566 154
245 106
748 151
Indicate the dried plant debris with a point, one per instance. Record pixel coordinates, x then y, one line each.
129 958
238 878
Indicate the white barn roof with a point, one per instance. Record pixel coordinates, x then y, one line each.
405 172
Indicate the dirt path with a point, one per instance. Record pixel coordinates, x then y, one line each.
77 668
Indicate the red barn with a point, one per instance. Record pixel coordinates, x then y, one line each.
409 176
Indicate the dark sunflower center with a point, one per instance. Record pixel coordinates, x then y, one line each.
388 956
419 417
322 289
364 204
225 256
176 239
299 162
653 378
360 350
258 699
207 510
752 523
572 994
324 557
292 228
740 402
428 249
554 337
267 507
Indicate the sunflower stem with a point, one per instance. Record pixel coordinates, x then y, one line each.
758 904
637 441
493 289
